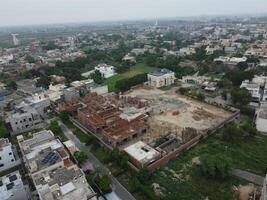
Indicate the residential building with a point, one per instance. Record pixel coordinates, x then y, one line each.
84 86
141 154
253 88
160 78
261 118
8 155
64 184
53 173
70 94
23 120
29 114
187 51
264 189
12 187
106 71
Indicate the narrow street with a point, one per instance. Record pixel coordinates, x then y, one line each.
120 191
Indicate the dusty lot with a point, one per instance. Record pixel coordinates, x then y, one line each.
172 113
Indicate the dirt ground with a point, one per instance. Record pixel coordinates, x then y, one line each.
172 113
244 191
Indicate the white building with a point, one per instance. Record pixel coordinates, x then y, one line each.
55 93
142 154
106 71
264 189
261 120
12 187
160 78
8 155
253 88
187 51
230 60
83 86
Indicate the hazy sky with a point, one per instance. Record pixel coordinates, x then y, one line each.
20 12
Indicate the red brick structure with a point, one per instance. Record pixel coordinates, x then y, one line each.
101 115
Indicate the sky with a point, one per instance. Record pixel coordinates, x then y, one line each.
24 12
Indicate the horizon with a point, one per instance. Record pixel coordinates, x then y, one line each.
39 12
182 18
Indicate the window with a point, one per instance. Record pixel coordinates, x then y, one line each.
12 160
10 153
1 164
0 158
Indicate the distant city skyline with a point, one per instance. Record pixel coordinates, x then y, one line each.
27 12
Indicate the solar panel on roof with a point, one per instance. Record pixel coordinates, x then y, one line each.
9 186
13 177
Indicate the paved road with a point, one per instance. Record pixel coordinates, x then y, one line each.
253 178
120 191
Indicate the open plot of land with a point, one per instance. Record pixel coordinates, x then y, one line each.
183 180
173 113
137 69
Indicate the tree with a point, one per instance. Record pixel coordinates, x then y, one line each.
224 95
4 133
97 77
215 166
144 175
30 59
237 76
64 115
104 183
200 96
43 81
11 84
55 128
240 96
242 65
248 129
231 133
126 84
80 156
182 91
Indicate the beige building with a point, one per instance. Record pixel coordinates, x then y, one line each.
53 173
160 78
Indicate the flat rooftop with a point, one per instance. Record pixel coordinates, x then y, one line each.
63 183
12 187
142 152
160 72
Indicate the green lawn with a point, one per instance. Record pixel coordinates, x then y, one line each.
137 69
247 154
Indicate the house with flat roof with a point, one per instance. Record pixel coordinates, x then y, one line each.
106 71
8 155
160 78
12 187
141 154
53 173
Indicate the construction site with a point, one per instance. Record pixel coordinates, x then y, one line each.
176 115
164 121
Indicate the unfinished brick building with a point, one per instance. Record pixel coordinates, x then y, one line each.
108 117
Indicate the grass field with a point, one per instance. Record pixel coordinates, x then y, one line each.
183 179
137 69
